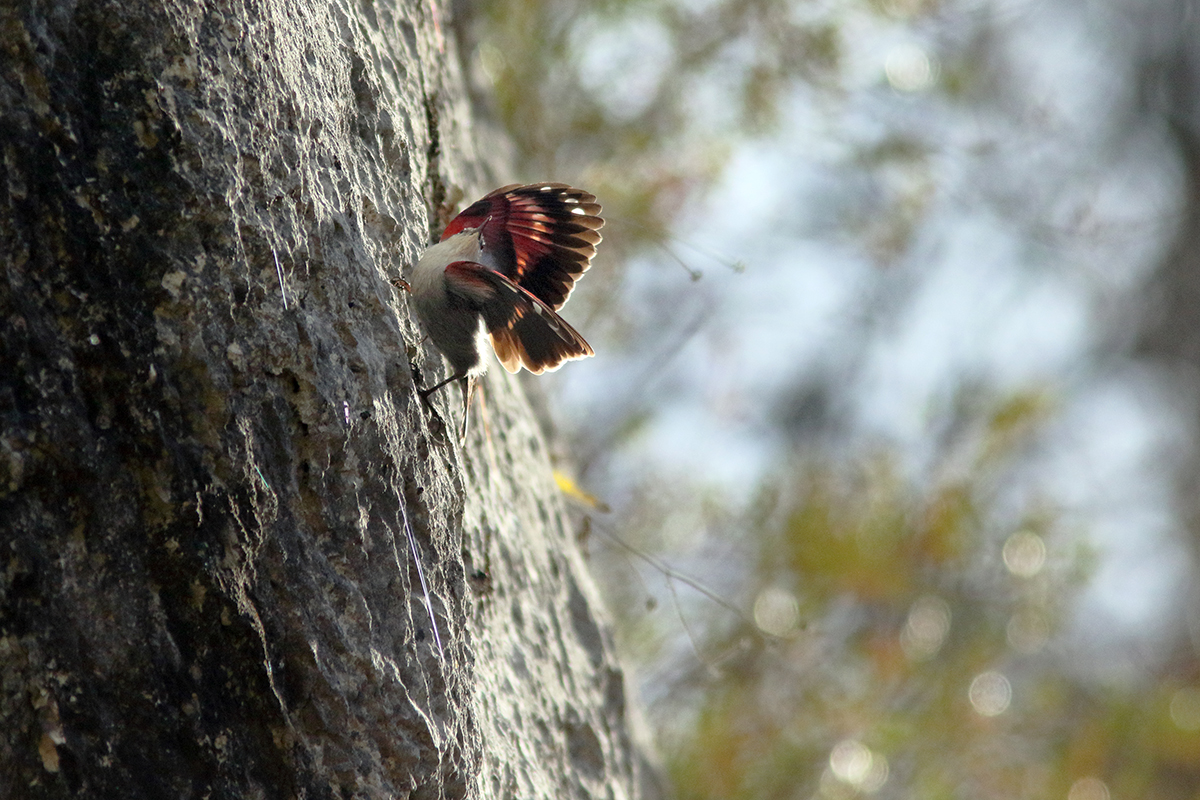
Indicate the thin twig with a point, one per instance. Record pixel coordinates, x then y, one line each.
412 546
279 272
687 629
671 574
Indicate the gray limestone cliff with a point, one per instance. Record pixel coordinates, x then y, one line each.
216 480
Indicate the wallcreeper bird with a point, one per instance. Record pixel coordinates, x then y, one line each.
503 268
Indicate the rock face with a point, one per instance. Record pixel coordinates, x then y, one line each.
215 477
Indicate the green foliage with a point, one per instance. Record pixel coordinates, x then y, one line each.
904 600
905 641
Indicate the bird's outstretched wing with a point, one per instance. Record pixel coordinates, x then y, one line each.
542 236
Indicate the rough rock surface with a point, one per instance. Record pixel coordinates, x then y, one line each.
210 445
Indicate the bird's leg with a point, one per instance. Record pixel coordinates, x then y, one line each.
468 388
426 392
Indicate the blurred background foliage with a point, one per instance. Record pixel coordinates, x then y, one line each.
892 422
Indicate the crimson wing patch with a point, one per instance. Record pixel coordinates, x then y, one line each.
542 236
525 331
